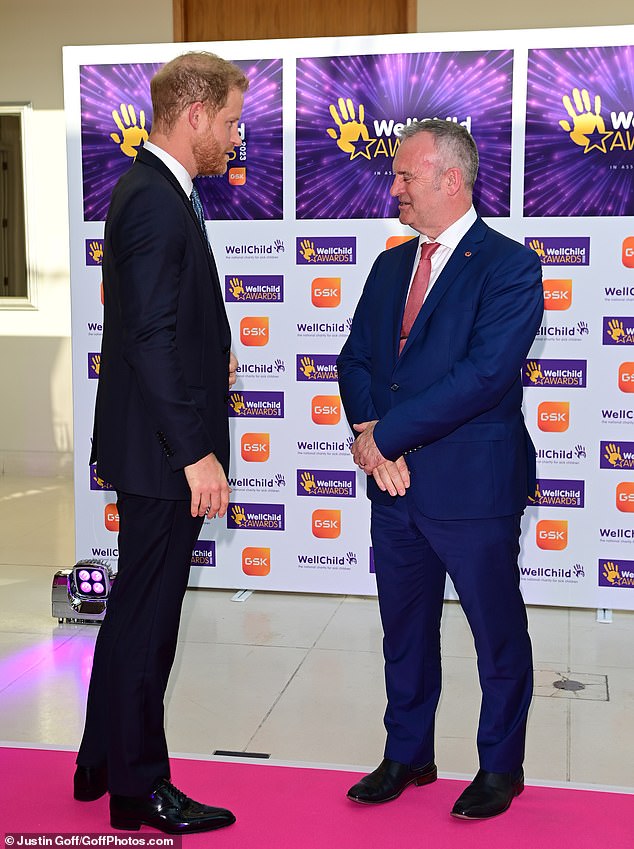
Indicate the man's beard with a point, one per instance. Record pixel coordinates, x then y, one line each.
210 157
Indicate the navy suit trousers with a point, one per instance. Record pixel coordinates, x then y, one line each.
412 555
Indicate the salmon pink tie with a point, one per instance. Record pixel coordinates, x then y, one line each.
417 290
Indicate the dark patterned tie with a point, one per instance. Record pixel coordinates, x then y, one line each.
417 290
200 215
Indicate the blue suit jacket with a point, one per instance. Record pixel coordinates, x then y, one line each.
163 382
452 401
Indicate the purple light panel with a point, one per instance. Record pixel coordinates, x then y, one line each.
331 182
586 168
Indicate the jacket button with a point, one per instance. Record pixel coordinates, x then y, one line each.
394 387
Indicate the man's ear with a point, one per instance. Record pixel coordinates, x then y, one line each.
194 113
453 181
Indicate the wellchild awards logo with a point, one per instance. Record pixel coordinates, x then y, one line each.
571 250
326 250
618 330
616 573
569 373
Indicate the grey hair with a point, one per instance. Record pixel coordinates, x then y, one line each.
455 145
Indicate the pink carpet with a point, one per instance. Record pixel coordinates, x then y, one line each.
299 808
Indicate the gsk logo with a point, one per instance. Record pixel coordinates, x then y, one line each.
326 292
552 535
255 447
326 523
256 561
553 416
111 518
394 241
627 254
626 377
326 409
557 294
237 176
254 330
625 497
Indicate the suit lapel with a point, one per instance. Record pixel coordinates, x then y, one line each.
458 262
147 158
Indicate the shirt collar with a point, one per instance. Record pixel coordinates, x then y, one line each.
450 237
177 169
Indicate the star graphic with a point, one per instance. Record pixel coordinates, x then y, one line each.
597 140
362 147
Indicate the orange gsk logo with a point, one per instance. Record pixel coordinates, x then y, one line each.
255 447
625 497
326 292
557 294
326 409
626 377
552 535
553 416
628 252
326 523
256 561
111 518
254 330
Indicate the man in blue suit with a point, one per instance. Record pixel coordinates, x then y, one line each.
435 398
161 434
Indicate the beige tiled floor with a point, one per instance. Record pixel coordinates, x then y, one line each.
297 676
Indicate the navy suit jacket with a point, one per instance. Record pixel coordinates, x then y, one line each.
451 403
163 382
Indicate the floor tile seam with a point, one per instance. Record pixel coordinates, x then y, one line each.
29 669
277 699
330 618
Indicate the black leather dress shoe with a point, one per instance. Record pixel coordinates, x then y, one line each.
388 781
90 783
489 794
167 809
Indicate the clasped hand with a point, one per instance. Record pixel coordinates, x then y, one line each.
390 475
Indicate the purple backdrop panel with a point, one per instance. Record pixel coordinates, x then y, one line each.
116 115
579 149
348 110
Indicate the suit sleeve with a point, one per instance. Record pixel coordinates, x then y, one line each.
353 363
149 240
507 318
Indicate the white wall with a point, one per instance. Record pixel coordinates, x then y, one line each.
35 362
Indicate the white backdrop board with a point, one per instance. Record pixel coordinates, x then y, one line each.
296 224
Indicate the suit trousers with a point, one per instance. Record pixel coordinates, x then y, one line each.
136 644
412 555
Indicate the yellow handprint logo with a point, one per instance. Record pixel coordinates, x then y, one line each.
237 289
535 499
352 136
130 133
534 372
537 246
613 454
585 122
307 480
307 367
238 515
237 403
307 249
95 363
611 573
616 330
96 252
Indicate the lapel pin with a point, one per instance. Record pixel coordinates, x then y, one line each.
467 253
